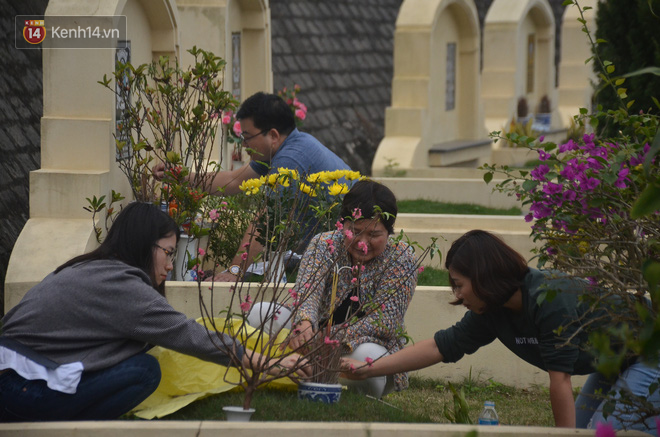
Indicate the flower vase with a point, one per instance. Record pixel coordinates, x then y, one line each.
238 414
274 267
186 250
319 392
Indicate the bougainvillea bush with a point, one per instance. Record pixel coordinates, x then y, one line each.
594 210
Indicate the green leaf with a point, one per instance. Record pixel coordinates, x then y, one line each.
610 69
528 185
651 273
646 70
653 151
488 177
567 2
647 203
657 104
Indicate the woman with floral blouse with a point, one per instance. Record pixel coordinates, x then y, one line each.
372 268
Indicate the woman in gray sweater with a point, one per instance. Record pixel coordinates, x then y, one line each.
75 347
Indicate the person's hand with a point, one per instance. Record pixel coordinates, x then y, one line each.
294 361
158 171
300 335
354 369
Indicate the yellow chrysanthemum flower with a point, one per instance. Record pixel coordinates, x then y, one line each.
293 174
337 189
307 190
352 175
251 186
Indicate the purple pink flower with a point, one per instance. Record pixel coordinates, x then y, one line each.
539 172
605 430
544 156
245 306
213 214
327 340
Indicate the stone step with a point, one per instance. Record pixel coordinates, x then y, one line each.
452 190
446 228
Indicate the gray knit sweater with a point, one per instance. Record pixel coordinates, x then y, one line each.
103 312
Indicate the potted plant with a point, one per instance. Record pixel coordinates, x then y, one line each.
320 194
171 115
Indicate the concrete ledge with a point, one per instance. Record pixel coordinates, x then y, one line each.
290 429
453 190
459 152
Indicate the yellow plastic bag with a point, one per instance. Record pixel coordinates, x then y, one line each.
186 379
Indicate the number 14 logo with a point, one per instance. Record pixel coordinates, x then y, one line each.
34 31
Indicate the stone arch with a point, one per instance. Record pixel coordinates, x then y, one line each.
214 25
518 59
420 115
77 146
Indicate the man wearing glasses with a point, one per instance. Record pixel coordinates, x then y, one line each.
270 136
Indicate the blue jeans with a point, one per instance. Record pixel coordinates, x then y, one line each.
101 395
636 379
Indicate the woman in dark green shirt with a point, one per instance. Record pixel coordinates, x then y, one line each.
506 301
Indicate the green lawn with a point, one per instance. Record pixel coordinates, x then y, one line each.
433 276
424 206
423 402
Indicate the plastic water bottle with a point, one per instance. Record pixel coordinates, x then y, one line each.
488 415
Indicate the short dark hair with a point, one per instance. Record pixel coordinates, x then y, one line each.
268 111
371 198
495 270
131 238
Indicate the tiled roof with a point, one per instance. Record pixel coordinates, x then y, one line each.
21 107
340 53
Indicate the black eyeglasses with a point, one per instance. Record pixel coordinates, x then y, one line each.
245 139
171 254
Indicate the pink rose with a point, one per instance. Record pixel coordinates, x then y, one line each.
339 225
213 215
421 269
226 118
300 114
348 234
237 129
369 361
362 245
353 281
354 298
244 256
201 252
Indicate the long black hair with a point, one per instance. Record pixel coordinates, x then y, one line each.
132 237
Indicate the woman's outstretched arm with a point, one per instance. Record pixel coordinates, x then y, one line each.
422 354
